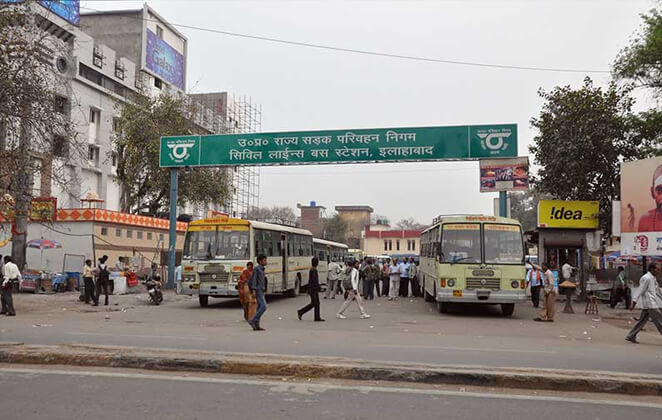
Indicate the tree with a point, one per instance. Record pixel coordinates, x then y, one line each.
36 134
583 135
283 215
335 229
409 224
524 207
641 61
145 186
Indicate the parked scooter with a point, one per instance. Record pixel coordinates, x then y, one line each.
153 285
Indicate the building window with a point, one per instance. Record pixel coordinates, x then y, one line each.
413 245
385 245
60 104
94 116
93 155
160 236
104 231
139 234
97 57
157 83
129 233
397 245
118 233
119 70
60 146
116 125
149 236
113 159
159 32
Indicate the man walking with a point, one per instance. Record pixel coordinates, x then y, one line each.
620 290
549 296
10 274
258 286
353 294
534 280
394 280
313 291
650 297
332 276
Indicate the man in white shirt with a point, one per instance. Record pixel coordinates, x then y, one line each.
566 270
649 296
394 280
332 276
353 294
10 274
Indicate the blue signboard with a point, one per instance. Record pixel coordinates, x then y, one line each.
164 60
68 10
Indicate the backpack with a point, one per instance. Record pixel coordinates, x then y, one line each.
104 274
347 279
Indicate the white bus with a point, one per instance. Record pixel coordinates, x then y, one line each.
325 251
216 251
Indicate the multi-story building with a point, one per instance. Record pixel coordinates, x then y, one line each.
356 217
312 218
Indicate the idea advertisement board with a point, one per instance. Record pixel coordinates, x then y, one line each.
568 214
504 174
641 207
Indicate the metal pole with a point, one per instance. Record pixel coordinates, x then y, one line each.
503 204
173 228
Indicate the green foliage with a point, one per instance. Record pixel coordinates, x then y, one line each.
583 136
524 208
335 229
641 61
409 224
146 186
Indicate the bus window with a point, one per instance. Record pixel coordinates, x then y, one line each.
503 244
290 244
461 243
259 242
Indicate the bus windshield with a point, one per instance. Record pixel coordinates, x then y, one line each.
232 245
200 245
221 245
503 244
460 243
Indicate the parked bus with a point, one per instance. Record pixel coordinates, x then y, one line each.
216 251
325 251
473 259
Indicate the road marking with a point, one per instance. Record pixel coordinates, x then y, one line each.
328 387
176 337
484 349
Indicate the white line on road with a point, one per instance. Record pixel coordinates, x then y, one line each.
328 387
485 349
176 337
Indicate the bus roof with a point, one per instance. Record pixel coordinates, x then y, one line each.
330 243
458 218
225 220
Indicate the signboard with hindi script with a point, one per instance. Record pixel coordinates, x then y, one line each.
342 146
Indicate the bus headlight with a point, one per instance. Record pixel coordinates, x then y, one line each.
189 279
451 282
514 284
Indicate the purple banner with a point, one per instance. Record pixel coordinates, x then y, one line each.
164 60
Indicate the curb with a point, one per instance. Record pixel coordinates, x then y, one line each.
330 368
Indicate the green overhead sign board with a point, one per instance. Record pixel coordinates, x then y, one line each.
341 146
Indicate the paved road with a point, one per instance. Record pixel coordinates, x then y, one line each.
32 393
408 330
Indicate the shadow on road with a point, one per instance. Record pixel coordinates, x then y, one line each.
233 303
473 310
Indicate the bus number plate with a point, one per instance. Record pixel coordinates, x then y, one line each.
457 293
195 286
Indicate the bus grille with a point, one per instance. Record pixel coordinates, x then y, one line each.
492 284
220 277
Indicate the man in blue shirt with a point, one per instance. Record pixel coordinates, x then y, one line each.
258 286
534 279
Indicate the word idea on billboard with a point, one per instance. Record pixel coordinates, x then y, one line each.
641 207
568 214
504 174
401 144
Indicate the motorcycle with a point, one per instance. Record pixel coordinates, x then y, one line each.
153 285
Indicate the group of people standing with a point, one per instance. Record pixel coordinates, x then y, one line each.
102 273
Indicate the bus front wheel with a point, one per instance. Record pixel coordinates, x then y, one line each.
428 297
443 307
204 300
507 309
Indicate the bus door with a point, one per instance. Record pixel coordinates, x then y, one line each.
284 256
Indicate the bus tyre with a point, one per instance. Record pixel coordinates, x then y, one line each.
443 307
204 300
507 309
428 297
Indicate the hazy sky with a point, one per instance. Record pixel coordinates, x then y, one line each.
302 88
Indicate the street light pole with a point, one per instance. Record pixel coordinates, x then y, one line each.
173 228
503 203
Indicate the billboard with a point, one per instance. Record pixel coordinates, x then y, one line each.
641 207
504 174
164 61
68 10
568 214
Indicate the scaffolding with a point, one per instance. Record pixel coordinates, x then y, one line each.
242 116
